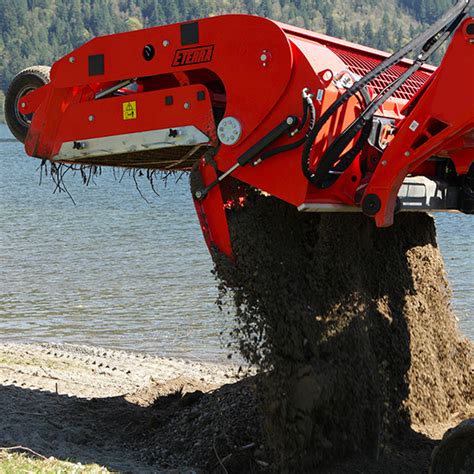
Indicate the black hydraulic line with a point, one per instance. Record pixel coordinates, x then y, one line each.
325 174
423 42
304 99
346 159
309 105
308 109
282 149
253 152
270 137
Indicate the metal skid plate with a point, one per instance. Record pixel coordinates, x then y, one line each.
88 150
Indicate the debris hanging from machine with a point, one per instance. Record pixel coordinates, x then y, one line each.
88 173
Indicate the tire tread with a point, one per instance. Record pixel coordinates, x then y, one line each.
40 72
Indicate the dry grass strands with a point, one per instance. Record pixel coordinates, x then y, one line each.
88 174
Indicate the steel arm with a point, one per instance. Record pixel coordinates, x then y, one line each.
440 123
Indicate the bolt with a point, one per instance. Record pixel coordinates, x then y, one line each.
198 194
187 105
290 120
384 163
72 59
263 57
79 145
407 154
91 118
23 104
166 43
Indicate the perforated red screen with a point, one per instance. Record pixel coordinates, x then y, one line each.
362 64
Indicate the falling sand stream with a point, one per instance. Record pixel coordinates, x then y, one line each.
352 327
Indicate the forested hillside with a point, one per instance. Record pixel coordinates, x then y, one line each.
40 31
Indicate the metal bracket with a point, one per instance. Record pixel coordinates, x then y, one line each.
251 153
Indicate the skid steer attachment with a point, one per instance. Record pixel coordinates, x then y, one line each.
321 123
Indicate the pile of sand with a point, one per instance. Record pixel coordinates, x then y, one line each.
352 325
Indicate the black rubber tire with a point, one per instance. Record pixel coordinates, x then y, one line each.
25 81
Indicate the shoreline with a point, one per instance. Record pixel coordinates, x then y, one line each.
114 372
96 406
134 412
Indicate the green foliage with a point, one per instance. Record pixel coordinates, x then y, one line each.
13 463
41 31
426 10
133 23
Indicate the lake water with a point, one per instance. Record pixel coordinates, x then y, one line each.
115 271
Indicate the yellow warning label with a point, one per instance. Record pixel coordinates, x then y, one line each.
129 110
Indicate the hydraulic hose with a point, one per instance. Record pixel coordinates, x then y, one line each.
308 109
427 43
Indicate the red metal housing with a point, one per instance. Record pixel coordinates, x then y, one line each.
159 98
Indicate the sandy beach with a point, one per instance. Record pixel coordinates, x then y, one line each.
132 412
95 405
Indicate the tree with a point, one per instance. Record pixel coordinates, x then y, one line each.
40 31
369 35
